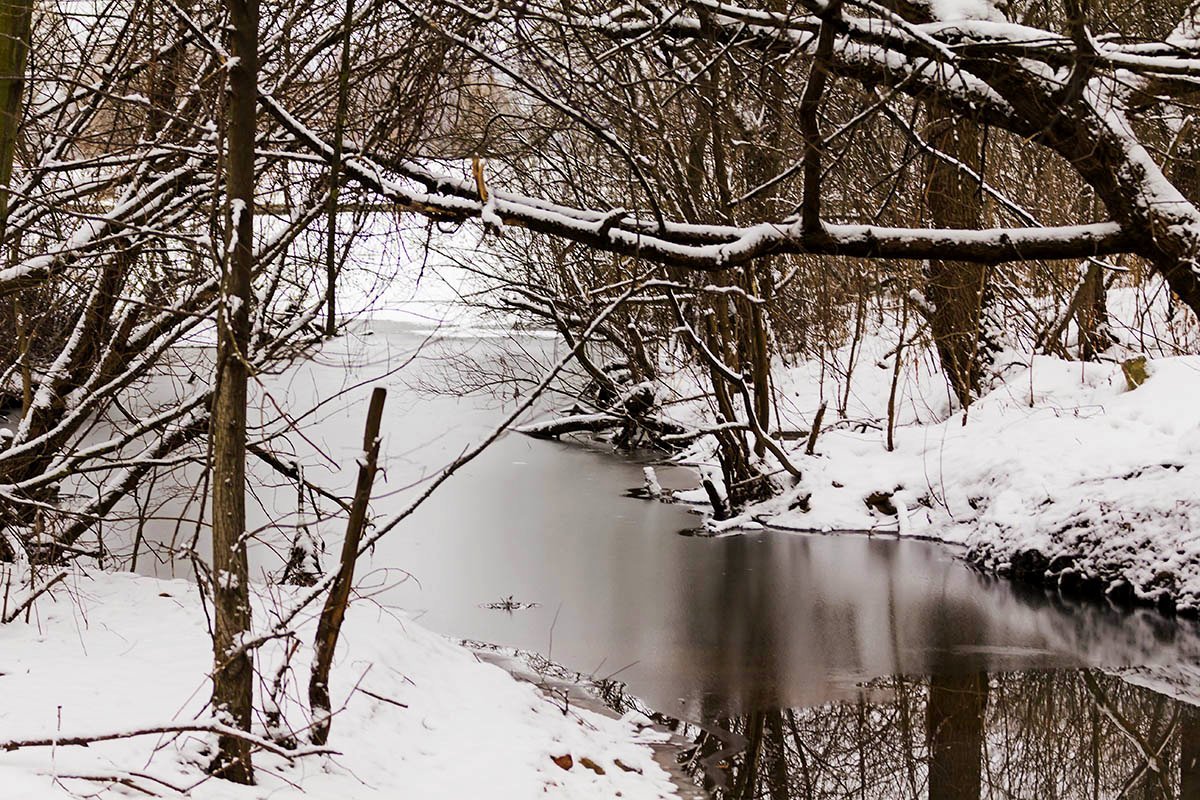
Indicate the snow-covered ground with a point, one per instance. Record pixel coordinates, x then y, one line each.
419 716
1059 471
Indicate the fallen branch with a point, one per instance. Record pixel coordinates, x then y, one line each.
290 472
576 423
201 726
687 437
382 699
124 779
631 412
28 601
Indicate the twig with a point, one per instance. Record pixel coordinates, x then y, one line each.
381 698
210 726
28 601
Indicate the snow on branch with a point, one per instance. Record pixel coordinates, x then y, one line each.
713 247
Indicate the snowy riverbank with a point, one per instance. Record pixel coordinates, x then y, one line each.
420 716
1060 472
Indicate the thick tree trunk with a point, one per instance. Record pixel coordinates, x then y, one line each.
233 672
1114 162
957 292
15 16
1183 170
1092 315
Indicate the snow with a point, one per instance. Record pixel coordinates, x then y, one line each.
115 652
984 29
1185 34
965 9
1058 457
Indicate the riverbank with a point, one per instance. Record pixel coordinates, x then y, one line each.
1063 472
111 653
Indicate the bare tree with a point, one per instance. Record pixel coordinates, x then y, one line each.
233 670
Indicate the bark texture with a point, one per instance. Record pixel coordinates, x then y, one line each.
15 16
958 292
334 612
233 669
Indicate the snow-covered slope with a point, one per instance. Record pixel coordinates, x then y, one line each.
419 716
1059 471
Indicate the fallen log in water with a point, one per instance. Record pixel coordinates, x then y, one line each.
661 433
575 423
631 413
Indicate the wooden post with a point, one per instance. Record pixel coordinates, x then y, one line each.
334 611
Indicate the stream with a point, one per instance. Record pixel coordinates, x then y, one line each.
800 665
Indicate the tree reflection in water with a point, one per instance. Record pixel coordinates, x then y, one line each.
1038 735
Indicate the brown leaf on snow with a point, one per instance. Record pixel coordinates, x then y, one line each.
592 765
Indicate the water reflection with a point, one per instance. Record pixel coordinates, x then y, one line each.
769 620
1033 734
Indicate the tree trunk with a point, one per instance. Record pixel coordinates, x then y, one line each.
15 16
233 672
957 292
1092 315
743 482
330 625
335 169
778 783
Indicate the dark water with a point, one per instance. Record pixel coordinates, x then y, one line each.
954 736
709 627
808 656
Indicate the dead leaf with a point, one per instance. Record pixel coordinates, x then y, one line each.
592 765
